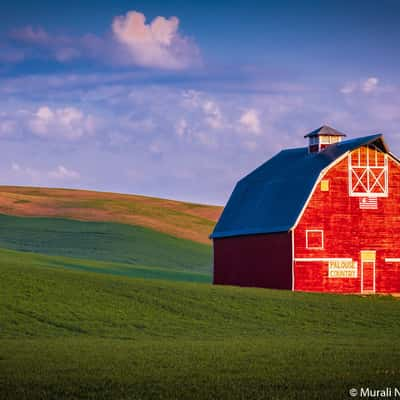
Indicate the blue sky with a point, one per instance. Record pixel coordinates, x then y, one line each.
180 100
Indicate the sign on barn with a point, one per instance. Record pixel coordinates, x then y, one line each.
342 268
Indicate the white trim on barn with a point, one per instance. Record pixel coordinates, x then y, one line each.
317 182
314 259
293 258
373 174
368 256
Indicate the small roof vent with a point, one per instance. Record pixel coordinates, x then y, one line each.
322 137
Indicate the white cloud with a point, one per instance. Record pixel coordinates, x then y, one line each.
68 122
191 99
366 86
62 173
157 44
207 110
181 127
213 114
33 176
43 177
250 121
370 85
348 88
15 167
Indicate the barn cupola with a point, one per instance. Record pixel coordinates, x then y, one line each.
322 138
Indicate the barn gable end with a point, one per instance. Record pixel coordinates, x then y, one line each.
359 220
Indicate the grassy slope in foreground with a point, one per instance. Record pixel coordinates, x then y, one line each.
104 267
108 241
181 219
70 334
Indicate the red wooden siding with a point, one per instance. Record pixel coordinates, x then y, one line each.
387 277
348 230
254 260
313 277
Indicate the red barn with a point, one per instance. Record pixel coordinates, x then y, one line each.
320 218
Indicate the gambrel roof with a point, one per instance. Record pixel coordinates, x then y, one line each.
271 198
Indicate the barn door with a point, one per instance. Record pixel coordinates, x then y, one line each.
368 271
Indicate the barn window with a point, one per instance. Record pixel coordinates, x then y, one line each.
325 139
368 173
325 185
315 239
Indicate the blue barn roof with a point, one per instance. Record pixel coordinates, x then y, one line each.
271 198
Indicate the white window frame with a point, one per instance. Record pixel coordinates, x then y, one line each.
321 231
362 270
374 170
325 139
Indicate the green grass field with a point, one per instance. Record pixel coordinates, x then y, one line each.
108 310
105 241
71 334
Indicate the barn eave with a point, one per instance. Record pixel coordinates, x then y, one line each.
246 232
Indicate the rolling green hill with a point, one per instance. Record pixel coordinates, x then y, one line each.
71 334
175 218
111 242
144 243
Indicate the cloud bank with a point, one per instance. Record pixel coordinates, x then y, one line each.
131 41
67 122
163 140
